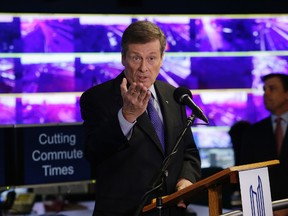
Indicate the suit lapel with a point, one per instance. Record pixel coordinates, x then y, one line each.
165 104
146 125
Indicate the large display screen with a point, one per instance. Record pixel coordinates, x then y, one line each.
48 60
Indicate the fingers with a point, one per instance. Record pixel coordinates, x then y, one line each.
136 90
123 87
181 204
147 97
139 92
144 95
135 100
182 183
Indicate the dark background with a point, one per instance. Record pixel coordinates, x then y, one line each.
146 6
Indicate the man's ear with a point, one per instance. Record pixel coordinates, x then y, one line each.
123 59
286 95
162 58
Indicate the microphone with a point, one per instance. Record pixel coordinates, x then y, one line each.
183 96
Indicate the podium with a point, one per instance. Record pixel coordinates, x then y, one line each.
212 184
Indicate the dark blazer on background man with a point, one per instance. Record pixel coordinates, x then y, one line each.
124 169
259 144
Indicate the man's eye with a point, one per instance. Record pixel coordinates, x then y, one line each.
152 60
136 58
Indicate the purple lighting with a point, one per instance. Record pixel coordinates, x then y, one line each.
47 34
47 61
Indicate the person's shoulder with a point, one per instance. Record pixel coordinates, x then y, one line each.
99 90
96 88
259 127
106 86
262 122
166 85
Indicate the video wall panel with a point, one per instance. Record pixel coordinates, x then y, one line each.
48 60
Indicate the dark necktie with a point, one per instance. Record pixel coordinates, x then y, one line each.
156 121
279 134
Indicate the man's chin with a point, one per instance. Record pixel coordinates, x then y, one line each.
146 83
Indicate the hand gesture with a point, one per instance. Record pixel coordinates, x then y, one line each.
135 100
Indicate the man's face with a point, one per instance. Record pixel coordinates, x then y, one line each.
275 97
142 62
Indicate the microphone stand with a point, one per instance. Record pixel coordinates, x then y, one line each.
159 180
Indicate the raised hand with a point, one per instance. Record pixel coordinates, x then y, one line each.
135 100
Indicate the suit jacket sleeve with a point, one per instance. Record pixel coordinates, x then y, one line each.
101 124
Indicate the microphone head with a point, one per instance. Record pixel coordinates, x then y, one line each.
179 94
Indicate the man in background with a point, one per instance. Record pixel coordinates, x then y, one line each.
268 138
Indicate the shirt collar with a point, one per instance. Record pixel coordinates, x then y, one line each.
283 116
153 91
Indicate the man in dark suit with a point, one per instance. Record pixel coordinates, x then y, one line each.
121 142
260 142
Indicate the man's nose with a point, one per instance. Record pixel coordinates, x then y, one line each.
144 65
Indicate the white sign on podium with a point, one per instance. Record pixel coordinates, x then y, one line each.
255 192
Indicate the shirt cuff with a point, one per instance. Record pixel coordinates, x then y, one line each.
125 125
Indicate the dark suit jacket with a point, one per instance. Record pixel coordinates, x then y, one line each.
259 144
124 169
